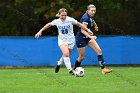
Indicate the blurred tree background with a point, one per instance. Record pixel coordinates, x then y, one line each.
26 17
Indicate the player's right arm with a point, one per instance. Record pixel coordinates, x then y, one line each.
39 33
89 33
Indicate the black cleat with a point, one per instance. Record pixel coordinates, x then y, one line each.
71 72
57 68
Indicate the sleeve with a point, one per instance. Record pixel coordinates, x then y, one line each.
74 21
54 22
84 20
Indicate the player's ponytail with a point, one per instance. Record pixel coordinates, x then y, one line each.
57 15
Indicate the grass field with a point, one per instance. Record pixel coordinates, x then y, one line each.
44 80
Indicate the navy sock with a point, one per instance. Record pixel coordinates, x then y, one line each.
101 61
77 64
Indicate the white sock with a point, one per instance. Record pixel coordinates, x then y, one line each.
67 63
60 61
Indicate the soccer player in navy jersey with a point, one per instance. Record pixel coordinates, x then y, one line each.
82 39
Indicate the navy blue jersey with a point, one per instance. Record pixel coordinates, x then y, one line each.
87 20
81 39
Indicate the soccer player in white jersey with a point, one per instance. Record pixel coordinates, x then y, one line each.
66 38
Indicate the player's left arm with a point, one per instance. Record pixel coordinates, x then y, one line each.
95 26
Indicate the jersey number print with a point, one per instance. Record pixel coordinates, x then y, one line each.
64 31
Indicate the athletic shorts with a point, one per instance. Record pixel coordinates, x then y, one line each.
81 40
68 41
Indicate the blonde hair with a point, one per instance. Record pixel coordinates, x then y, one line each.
60 11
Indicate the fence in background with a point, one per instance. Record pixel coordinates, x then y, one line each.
28 51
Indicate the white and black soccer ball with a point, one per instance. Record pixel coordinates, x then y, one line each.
79 72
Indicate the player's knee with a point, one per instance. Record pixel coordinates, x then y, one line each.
66 54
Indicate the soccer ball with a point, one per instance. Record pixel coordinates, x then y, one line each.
79 72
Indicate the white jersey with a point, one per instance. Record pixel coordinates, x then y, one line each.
65 29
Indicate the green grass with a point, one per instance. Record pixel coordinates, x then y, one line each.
44 80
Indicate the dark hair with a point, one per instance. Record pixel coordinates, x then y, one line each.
90 6
60 11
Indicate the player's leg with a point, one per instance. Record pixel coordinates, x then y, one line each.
60 61
70 50
94 45
66 53
70 46
81 52
57 67
81 43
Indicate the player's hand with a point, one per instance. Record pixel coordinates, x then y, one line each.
38 34
96 28
93 37
90 32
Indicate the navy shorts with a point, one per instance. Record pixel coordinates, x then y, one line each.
81 40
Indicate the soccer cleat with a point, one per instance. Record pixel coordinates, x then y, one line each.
74 68
57 68
106 70
71 72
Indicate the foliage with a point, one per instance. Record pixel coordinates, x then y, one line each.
26 17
